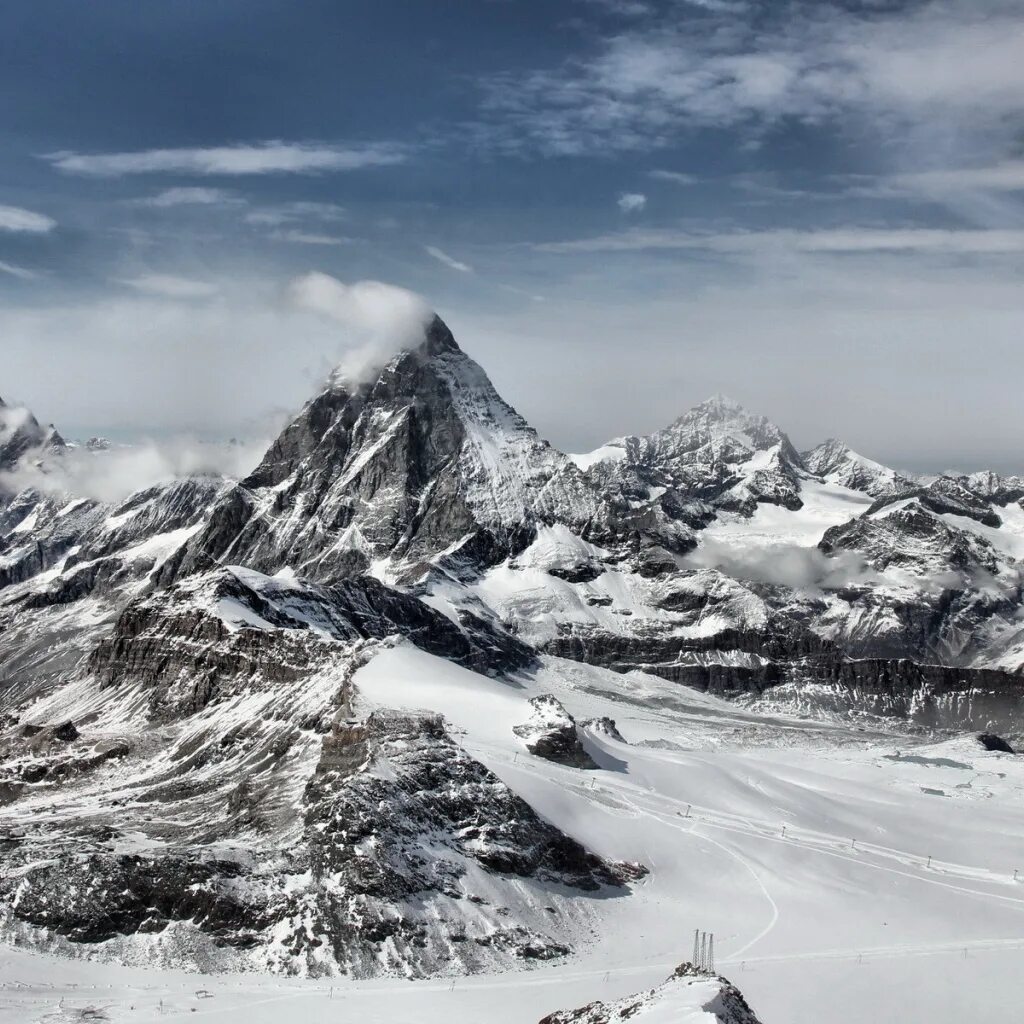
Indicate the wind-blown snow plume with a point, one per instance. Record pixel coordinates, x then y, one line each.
382 318
110 475
12 418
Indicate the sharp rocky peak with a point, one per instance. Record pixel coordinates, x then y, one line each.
418 459
836 462
22 434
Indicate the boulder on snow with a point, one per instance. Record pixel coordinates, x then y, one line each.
604 725
990 741
551 733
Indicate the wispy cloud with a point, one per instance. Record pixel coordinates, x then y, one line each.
190 196
297 237
273 157
14 218
1004 176
22 273
631 202
449 261
170 286
272 216
826 240
676 177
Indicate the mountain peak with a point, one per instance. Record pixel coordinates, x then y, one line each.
836 462
719 406
438 338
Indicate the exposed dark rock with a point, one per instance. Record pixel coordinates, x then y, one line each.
992 742
400 825
191 643
551 733
582 572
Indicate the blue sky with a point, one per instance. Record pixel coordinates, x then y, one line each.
620 207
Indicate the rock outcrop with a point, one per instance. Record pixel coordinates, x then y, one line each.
688 994
551 733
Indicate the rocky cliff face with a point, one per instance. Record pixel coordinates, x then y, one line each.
225 876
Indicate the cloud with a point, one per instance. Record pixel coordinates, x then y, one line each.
940 67
676 177
272 157
113 474
788 565
170 286
274 216
307 237
449 261
190 196
1005 176
808 568
12 419
22 273
939 241
14 218
513 290
382 319
631 202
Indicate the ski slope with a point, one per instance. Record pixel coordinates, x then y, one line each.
847 875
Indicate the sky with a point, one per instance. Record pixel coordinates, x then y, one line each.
620 207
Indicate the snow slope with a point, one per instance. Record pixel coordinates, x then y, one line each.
844 900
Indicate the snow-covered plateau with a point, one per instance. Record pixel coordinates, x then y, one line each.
425 720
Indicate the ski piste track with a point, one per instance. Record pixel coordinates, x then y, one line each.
668 810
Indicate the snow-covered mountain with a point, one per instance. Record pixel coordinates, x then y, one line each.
837 463
201 764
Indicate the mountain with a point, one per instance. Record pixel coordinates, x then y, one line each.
21 435
386 473
211 648
716 457
836 463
